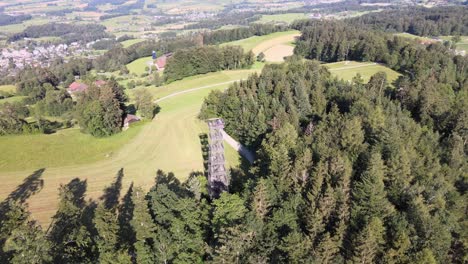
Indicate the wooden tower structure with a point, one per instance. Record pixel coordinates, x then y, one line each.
218 181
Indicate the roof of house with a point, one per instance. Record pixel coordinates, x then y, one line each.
100 83
130 119
77 87
161 61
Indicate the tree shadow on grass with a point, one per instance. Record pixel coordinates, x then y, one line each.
111 194
30 186
205 148
127 236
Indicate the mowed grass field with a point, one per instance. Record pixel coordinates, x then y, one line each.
169 142
138 66
346 70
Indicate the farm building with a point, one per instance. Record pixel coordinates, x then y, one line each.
160 62
81 87
129 119
77 87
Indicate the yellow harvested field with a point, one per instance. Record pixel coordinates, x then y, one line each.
278 52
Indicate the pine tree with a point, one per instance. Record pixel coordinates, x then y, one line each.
144 228
369 195
71 240
368 244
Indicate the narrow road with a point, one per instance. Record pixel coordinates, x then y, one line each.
245 152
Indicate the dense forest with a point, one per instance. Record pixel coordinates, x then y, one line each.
201 60
419 21
435 82
8 20
68 32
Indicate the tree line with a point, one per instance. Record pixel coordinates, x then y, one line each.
226 35
68 32
450 20
201 60
9 20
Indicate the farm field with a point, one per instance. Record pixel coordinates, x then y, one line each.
170 142
261 43
286 18
346 70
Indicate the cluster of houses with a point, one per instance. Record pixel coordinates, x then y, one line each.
37 56
79 87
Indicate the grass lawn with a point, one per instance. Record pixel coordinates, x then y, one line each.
8 88
266 41
12 99
347 70
287 18
170 142
138 66
128 43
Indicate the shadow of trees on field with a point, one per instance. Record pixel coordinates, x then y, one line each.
205 148
127 236
111 194
30 186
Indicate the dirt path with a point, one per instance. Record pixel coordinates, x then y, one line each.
353 67
245 152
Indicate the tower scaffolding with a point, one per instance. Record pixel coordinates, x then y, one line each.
218 181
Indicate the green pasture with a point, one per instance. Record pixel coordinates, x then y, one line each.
138 66
347 70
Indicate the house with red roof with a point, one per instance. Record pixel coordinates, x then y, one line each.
100 83
77 87
160 62
81 87
128 120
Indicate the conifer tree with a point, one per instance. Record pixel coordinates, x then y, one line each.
143 226
368 244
